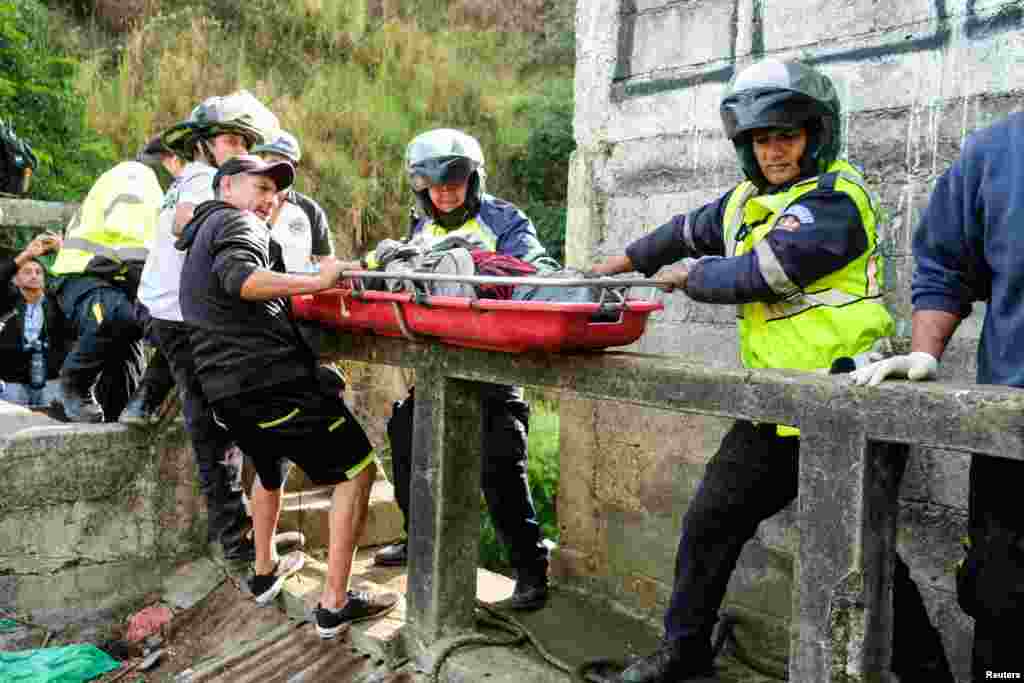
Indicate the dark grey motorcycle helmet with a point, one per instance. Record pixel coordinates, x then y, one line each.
445 155
777 94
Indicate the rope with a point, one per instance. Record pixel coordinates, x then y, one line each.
725 632
598 670
587 672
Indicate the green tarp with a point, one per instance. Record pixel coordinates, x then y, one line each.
68 664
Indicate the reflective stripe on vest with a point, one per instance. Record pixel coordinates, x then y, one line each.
118 255
470 227
840 314
116 221
794 301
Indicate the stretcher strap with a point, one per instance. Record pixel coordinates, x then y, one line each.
402 325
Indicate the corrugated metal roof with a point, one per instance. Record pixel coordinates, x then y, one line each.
228 639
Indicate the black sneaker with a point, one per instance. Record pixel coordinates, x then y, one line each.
79 406
143 409
265 587
360 607
670 664
394 555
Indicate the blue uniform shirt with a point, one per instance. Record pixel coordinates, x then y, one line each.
824 233
969 246
513 232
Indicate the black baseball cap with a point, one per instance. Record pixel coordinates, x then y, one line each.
153 151
281 172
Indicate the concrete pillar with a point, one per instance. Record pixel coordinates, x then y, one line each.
847 521
444 529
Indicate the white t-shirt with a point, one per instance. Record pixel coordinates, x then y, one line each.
294 233
161 276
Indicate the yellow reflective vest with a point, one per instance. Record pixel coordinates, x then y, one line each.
116 222
841 314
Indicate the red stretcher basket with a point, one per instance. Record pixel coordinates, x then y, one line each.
494 324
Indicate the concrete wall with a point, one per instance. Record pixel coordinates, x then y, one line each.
92 519
915 77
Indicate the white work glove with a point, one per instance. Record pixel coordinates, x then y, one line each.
915 366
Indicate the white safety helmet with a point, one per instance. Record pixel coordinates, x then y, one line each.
238 113
445 155
282 143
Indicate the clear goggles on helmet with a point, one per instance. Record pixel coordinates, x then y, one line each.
440 171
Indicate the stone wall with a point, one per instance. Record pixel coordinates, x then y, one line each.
92 518
915 78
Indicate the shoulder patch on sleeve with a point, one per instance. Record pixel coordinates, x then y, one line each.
795 216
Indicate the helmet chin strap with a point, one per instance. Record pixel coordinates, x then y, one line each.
809 160
204 145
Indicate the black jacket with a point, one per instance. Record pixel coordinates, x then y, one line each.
238 346
14 359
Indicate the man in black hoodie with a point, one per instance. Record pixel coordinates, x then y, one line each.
261 378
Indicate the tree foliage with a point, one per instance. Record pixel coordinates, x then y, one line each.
38 97
541 169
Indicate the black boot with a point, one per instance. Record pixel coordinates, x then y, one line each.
670 663
142 408
531 592
394 555
79 406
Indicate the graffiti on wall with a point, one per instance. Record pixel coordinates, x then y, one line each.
1008 17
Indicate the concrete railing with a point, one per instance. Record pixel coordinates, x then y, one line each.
849 475
92 518
33 213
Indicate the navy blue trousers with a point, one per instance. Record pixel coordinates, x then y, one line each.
754 475
220 483
990 582
506 422
107 357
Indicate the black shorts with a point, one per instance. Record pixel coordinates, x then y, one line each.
301 422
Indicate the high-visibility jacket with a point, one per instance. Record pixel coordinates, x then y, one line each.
841 314
501 226
111 230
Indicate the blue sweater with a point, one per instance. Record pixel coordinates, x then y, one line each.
513 231
969 246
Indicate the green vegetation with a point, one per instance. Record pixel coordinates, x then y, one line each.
353 90
38 96
541 166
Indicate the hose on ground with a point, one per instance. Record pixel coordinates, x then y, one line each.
598 670
588 672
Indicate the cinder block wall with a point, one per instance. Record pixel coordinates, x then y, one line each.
915 77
